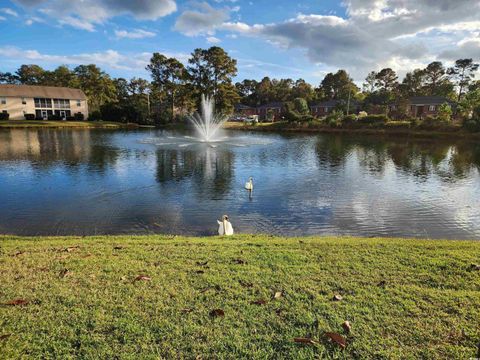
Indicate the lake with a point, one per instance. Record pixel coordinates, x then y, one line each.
83 182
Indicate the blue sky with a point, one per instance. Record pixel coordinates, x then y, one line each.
282 38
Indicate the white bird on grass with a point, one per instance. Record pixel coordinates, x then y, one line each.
224 226
249 184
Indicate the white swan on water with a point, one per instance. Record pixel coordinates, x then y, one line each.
224 226
249 184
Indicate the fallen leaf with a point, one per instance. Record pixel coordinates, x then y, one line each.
308 341
246 284
17 302
65 273
5 336
217 313
258 302
337 297
118 247
278 295
143 278
239 261
200 272
71 248
346 326
186 310
475 267
337 339
18 253
202 263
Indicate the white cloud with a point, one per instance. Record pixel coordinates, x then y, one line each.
85 14
376 33
2 18
213 40
134 34
202 21
9 11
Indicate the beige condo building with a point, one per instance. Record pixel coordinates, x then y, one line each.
42 101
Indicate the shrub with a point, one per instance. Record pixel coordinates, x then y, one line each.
29 116
350 119
472 125
334 119
4 116
54 117
398 124
362 114
374 119
445 113
95 116
78 117
70 118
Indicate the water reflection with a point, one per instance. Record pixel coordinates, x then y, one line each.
93 181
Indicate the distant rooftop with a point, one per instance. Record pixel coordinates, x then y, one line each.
32 91
422 100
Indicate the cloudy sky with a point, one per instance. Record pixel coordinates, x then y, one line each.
276 38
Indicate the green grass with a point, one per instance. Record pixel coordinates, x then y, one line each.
405 299
63 124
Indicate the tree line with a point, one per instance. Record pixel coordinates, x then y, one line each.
174 88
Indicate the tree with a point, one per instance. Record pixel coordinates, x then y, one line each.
210 68
369 85
31 75
169 76
413 83
436 80
247 90
265 91
338 86
463 72
97 85
8 78
386 80
444 113
302 89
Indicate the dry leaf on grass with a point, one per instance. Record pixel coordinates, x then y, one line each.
5 336
71 248
337 297
143 278
246 284
17 302
186 310
259 302
278 295
239 261
65 273
199 263
337 339
217 313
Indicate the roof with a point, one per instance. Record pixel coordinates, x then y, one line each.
435 100
276 104
333 103
31 91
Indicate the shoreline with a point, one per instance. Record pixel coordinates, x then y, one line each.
281 127
53 124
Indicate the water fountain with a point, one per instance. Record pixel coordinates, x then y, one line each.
208 131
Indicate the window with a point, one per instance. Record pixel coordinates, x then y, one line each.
4 111
79 103
24 101
61 103
431 108
3 101
43 103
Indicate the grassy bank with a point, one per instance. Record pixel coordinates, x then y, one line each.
64 124
156 296
315 127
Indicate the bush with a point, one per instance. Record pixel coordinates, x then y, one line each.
70 118
350 119
398 124
362 114
374 119
29 116
445 113
95 116
4 116
472 125
78 117
54 117
334 119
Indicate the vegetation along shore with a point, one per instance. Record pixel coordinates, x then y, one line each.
245 297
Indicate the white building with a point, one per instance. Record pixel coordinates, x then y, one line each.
42 101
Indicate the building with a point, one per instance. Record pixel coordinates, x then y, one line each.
421 106
326 107
42 102
245 110
271 112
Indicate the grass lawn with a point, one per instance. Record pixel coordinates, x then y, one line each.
86 298
62 124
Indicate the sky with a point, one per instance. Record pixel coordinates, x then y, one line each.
276 38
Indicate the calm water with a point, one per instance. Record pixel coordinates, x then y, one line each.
111 182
